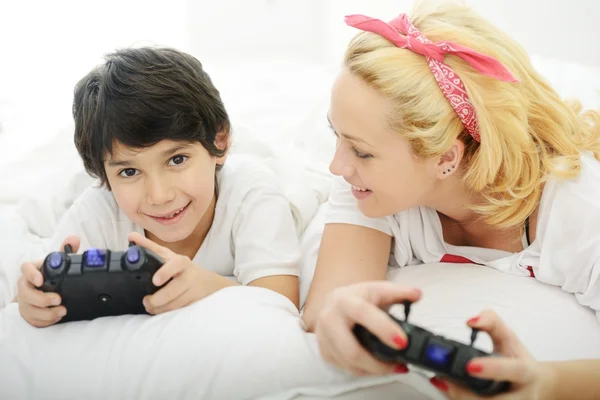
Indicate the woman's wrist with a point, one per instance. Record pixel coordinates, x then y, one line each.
549 381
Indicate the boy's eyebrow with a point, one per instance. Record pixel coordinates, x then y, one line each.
174 150
113 163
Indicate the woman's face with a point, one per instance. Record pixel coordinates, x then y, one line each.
386 177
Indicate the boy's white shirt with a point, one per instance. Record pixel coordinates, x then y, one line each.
565 252
252 235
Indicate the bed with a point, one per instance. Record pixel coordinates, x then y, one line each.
247 342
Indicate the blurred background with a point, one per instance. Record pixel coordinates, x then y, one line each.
273 60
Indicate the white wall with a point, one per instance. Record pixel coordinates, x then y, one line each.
562 29
46 46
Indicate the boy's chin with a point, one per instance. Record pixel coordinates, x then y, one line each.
167 234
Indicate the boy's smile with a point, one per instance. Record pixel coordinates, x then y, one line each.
171 217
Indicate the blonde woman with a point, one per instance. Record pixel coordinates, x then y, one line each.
450 148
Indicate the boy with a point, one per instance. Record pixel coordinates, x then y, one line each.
150 125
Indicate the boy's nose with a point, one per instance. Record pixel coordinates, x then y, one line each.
159 192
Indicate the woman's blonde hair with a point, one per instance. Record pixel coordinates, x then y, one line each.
527 132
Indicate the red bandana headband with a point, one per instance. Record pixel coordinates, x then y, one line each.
447 79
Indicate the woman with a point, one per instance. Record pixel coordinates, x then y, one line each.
451 148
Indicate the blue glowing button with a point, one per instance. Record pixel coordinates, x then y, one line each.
438 354
95 258
133 255
55 260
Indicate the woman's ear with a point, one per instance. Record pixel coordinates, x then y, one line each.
449 162
223 142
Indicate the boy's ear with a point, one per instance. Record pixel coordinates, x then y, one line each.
223 142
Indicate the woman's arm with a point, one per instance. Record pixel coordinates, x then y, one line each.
577 379
348 254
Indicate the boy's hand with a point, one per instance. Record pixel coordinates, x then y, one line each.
187 283
38 308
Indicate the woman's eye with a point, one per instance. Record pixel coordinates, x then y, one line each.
128 172
177 160
360 154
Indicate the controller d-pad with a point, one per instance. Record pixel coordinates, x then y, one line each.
95 258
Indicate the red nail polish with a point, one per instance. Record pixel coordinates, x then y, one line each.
473 321
401 369
400 341
439 384
474 368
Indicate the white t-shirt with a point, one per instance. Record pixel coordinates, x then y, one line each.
252 235
565 252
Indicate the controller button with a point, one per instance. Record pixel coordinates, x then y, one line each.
95 258
133 255
55 260
438 354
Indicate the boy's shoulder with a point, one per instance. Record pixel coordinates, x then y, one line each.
244 174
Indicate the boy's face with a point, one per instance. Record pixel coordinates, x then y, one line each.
166 188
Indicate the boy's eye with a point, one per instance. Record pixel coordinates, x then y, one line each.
128 172
177 160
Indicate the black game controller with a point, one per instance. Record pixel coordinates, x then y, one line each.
444 357
101 283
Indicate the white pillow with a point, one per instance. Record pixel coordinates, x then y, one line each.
242 342
246 342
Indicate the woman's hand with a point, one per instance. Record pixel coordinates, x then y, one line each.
362 304
529 379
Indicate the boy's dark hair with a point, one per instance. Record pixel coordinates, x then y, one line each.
141 96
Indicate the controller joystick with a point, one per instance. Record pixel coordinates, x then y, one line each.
433 353
407 305
474 333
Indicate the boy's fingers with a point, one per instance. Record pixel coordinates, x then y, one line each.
146 243
73 241
32 273
30 295
46 315
169 270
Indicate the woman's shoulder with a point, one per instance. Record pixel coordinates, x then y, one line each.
583 190
570 204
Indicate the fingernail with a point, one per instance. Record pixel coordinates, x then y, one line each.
56 301
146 303
62 312
474 368
473 321
439 384
400 341
157 281
401 369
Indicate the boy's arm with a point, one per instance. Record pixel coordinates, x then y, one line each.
266 244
